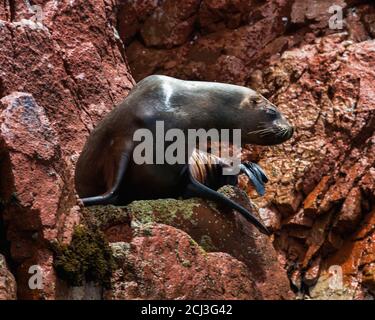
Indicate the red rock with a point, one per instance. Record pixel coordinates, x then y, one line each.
271 218
293 248
300 219
214 15
367 226
317 237
295 279
3 13
26 133
56 83
367 183
287 202
356 256
350 213
357 29
369 18
167 264
298 232
340 190
32 146
133 14
369 252
224 21
314 10
333 242
170 24
345 161
313 272
311 203
218 229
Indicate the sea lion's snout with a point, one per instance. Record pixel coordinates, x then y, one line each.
271 126
283 130
291 132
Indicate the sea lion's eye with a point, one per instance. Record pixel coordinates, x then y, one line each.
257 100
271 112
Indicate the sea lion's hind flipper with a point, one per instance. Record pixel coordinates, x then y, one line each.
255 175
200 190
258 170
110 196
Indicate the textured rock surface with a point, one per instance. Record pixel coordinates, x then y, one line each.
321 192
58 77
324 197
8 286
230 40
165 263
176 249
213 229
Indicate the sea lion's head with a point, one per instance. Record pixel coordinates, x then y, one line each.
265 124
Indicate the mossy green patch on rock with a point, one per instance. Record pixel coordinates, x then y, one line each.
229 191
207 244
142 229
186 264
194 244
88 257
163 210
103 216
120 250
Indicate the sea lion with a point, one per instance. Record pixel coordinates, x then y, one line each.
105 171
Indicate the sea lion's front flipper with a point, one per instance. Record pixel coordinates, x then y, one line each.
110 196
196 188
256 175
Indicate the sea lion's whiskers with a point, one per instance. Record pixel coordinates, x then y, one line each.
258 131
281 132
286 132
267 132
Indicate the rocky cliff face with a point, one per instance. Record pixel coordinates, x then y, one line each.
59 74
62 71
321 195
